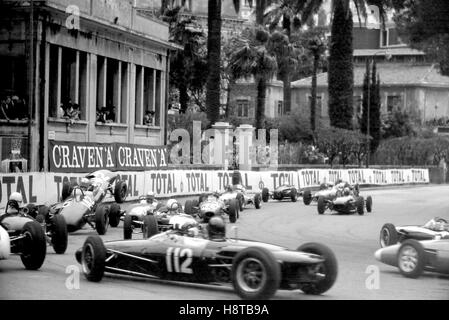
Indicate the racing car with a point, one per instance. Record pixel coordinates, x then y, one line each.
413 257
209 205
244 197
347 201
84 204
256 270
282 192
152 218
327 191
435 229
21 234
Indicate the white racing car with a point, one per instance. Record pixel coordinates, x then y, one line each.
244 197
5 245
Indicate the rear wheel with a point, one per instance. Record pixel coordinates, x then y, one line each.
128 227
369 204
360 205
66 190
34 245
114 215
321 205
93 257
328 268
257 201
307 197
388 235
255 273
411 259
59 234
265 194
188 207
241 201
294 195
120 191
150 227
101 219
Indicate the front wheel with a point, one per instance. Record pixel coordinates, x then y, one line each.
360 205
241 201
388 235
411 259
307 197
34 245
257 201
233 211
328 268
294 195
101 219
255 274
114 215
59 234
150 226
120 191
93 258
265 194
128 227
321 205
369 203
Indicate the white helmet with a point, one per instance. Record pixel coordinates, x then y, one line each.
172 204
151 194
16 196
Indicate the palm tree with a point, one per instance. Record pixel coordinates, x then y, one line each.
252 59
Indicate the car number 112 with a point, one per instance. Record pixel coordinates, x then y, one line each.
173 257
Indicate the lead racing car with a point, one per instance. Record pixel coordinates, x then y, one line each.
283 192
82 204
435 229
211 205
256 270
347 201
244 197
413 257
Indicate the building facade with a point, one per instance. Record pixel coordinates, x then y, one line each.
90 72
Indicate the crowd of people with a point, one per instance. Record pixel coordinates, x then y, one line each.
106 114
70 111
12 107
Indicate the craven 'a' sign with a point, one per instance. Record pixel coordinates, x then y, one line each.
65 156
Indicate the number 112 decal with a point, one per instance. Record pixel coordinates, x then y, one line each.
174 257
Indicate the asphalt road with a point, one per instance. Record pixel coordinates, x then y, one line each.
353 238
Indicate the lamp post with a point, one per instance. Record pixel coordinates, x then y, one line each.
387 56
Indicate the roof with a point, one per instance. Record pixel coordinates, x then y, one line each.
390 75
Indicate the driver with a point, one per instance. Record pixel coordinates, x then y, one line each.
438 224
150 198
15 203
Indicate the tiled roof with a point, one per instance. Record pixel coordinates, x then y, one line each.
390 74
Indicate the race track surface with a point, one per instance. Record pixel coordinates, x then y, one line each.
353 238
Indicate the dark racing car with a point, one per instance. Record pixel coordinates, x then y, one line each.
435 229
347 201
82 204
256 270
284 192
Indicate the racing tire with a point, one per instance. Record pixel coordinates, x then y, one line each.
101 219
257 201
411 266
233 211
66 190
241 199
59 234
120 191
388 235
114 215
329 268
189 207
307 197
360 206
265 194
34 245
42 213
260 286
93 258
294 195
150 226
128 227
31 210
369 204
321 205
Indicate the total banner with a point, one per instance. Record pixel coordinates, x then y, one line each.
45 188
66 156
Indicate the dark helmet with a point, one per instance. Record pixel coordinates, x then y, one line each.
323 186
347 191
216 228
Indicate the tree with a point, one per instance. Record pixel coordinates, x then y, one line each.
252 59
341 73
425 26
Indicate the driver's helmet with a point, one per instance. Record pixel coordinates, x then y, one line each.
216 228
229 188
150 197
172 205
323 186
438 224
14 202
346 191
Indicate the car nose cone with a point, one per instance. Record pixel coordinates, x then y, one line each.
378 255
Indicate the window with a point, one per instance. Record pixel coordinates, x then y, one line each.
394 102
243 108
148 96
13 88
280 108
357 103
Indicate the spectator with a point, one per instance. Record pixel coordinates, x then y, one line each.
5 108
20 107
101 115
148 118
61 111
75 115
110 115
